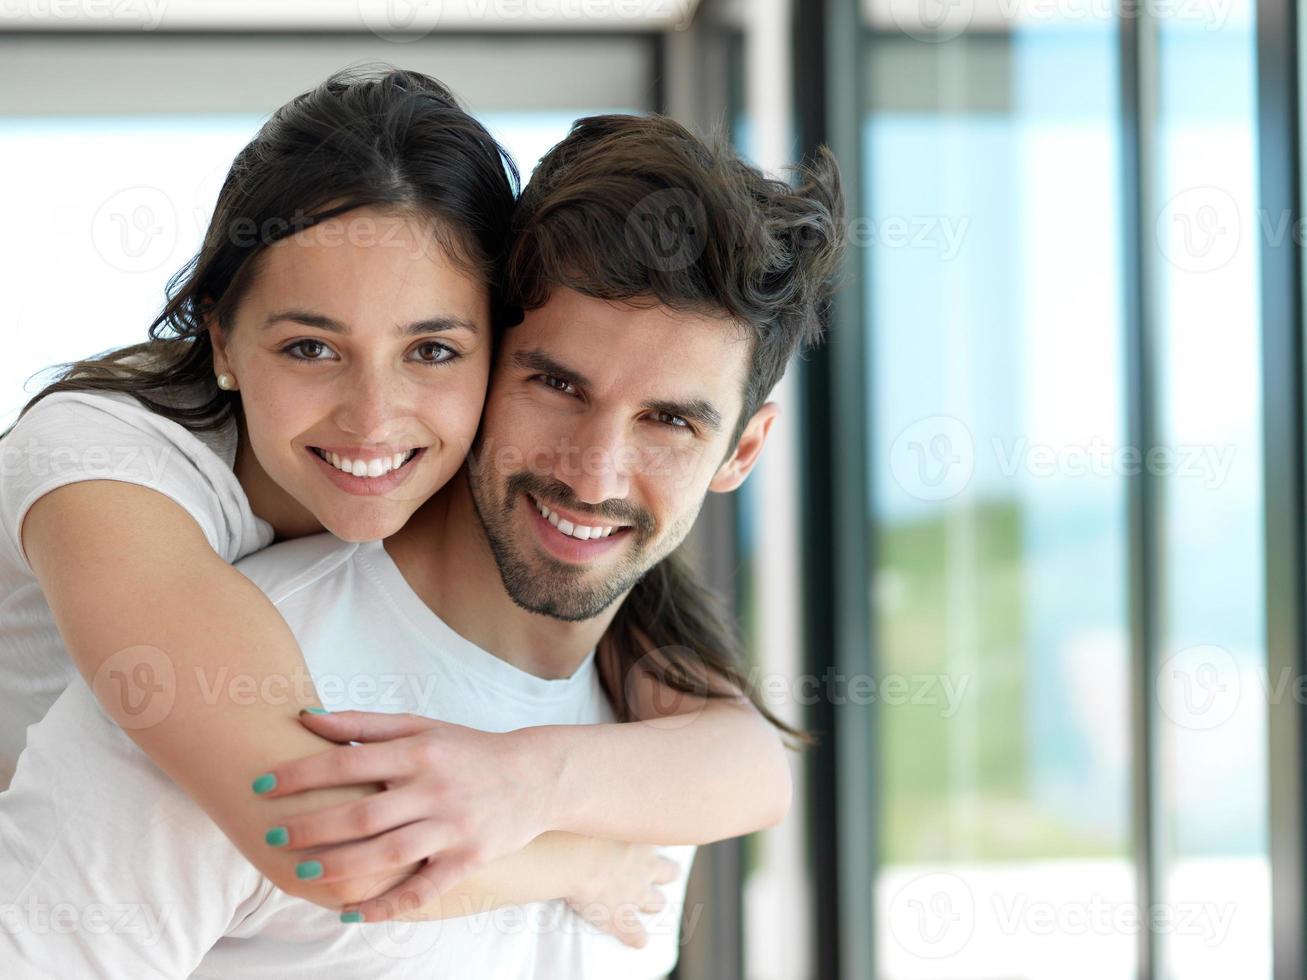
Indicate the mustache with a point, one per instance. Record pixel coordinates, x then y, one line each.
554 492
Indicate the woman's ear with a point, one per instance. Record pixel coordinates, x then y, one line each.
738 465
218 339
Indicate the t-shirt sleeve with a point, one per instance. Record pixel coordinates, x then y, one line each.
107 869
72 437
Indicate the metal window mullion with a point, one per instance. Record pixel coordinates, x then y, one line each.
1279 169
1137 125
837 526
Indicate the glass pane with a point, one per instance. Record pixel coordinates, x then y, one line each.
110 207
992 250
1211 659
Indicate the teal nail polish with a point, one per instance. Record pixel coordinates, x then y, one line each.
351 917
315 711
308 870
265 783
277 836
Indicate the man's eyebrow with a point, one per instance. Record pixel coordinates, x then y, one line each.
698 410
537 360
436 324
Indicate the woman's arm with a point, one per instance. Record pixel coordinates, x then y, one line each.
691 770
195 663
200 669
187 655
606 882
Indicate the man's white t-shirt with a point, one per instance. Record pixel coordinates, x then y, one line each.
72 437
108 869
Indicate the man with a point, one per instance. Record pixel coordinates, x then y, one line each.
665 287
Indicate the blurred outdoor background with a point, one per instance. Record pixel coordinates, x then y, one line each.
1027 548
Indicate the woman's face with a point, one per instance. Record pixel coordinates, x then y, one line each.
361 354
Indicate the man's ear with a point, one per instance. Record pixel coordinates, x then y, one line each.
737 466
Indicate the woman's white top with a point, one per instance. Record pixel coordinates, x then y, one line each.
71 437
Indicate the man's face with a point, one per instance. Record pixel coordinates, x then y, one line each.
605 427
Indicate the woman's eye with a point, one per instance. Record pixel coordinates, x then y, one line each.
431 352
307 350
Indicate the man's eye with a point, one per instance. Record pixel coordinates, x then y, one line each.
675 421
558 384
307 350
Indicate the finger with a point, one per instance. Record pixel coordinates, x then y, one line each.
352 821
635 938
632 933
618 920
666 870
365 726
388 852
344 765
422 891
630 928
654 901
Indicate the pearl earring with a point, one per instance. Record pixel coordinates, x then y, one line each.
226 382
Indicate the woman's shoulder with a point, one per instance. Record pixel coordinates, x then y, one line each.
81 436
113 419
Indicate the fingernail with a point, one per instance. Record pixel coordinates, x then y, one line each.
277 836
351 917
308 870
314 711
265 783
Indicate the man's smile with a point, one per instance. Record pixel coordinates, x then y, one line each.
570 541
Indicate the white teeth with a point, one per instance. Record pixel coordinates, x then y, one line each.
578 531
370 469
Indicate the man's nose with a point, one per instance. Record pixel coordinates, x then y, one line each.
595 460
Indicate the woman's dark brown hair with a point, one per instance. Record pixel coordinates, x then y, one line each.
638 209
366 137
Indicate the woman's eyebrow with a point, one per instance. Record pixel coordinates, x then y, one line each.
436 324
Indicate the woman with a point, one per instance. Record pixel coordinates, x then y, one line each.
370 214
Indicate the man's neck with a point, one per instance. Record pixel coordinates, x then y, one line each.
446 559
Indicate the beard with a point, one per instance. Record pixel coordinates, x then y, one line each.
542 584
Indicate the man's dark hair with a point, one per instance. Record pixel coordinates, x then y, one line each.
638 209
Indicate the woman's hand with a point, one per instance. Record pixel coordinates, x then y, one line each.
454 797
622 882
